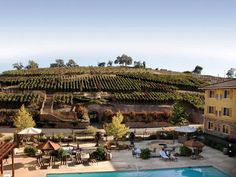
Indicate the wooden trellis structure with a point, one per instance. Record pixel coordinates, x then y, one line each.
5 150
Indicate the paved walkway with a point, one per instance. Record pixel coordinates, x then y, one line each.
139 131
123 160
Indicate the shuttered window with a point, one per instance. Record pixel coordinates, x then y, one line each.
211 94
210 125
225 129
226 93
226 112
211 109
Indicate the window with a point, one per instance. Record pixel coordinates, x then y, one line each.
225 129
226 94
226 112
218 96
212 94
210 125
219 113
211 109
216 113
218 128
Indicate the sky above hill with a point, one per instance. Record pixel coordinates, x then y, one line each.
176 35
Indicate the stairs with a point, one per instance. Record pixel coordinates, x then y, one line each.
48 113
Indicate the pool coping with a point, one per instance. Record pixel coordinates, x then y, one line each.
202 166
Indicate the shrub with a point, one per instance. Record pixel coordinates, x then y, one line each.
145 153
168 135
43 139
7 138
61 152
101 153
58 153
123 146
217 142
185 151
61 136
30 150
153 136
91 130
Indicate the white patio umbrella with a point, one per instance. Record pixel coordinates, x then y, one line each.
185 129
30 131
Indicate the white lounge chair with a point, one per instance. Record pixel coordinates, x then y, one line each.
163 155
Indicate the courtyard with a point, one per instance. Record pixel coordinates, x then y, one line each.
123 160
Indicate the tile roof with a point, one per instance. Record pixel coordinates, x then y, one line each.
222 85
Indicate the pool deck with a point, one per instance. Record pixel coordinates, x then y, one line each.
123 161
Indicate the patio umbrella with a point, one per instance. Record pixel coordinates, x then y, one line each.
48 146
194 144
30 131
185 129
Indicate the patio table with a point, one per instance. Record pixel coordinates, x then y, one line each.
85 157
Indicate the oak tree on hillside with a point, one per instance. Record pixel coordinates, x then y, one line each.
101 64
231 73
197 70
139 64
71 63
23 119
109 63
18 66
124 60
32 65
59 63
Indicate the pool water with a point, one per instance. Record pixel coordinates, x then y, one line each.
175 172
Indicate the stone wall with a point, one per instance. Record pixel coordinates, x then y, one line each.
127 108
48 124
147 125
195 115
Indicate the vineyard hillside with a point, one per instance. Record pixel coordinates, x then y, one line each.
54 95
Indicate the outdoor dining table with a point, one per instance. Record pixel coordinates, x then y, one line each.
47 159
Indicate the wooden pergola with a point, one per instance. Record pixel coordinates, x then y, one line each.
5 150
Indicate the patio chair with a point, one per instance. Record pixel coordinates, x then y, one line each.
40 160
196 154
163 155
92 159
173 157
78 159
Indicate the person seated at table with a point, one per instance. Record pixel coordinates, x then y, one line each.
170 155
166 152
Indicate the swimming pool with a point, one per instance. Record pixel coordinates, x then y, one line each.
208 171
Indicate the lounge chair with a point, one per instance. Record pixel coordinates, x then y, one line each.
163 155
